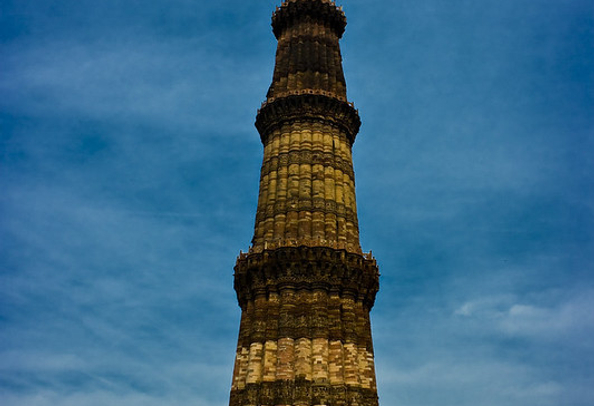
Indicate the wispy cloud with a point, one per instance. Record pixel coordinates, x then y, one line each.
130 171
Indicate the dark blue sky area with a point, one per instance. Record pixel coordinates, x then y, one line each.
129 170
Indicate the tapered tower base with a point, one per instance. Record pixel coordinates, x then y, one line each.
305 336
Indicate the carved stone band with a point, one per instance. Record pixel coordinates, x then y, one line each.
345 273
308 108
300 313
308 157
314 205
302 392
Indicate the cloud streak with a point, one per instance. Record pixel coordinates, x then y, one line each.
130 170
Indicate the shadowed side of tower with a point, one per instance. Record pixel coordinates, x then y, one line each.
305 288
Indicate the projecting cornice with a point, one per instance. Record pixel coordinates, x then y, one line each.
308 107
309 268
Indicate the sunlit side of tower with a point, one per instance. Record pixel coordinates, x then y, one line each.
305 288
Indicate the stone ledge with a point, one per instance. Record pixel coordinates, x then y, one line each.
348 274
308 108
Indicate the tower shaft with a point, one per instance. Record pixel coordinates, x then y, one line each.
305 288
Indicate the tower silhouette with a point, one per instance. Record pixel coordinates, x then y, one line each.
305 288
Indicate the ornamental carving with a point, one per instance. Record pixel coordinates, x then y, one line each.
315 205
307 157
305 288
302 391
308 108
333 270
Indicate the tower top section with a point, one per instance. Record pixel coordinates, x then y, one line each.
307 127
308 59
296 11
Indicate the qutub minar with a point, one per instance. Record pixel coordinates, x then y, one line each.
305 288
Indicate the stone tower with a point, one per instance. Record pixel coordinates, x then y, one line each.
305 288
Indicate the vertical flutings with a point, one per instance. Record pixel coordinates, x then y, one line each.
305 288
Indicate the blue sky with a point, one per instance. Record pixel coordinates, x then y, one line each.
129 174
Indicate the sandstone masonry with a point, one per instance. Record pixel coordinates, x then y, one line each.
305 288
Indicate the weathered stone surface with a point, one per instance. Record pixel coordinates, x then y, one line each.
302 392
308 55
349 275
307 189
305 288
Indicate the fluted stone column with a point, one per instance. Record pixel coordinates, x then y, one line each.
305 288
